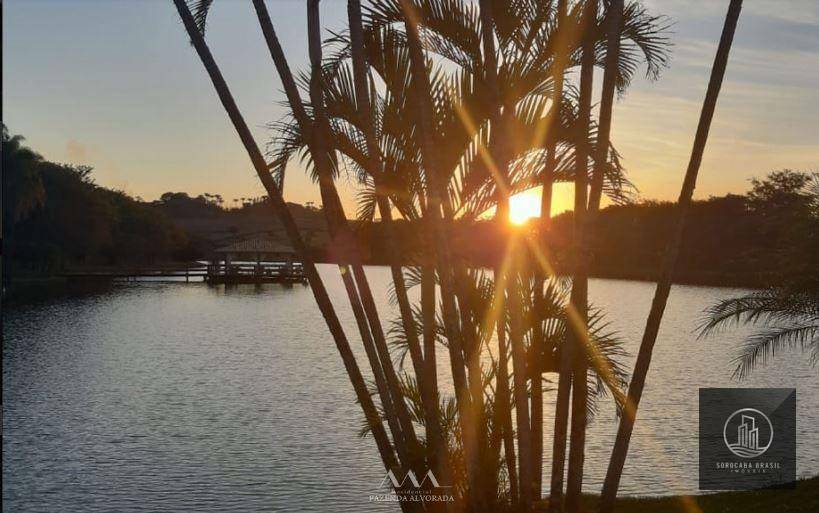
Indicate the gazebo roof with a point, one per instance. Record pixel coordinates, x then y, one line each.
257 245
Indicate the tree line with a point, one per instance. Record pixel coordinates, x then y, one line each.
745 240
55 215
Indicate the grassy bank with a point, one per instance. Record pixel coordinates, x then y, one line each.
803 499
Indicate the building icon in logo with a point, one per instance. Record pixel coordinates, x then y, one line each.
742 433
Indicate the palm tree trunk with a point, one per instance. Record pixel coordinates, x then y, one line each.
573 361
614 22
437 445
499 153
337 222
561 425
580 282
561 60
536 375
435 203
503 394
502 403
426 383
541 273
635 390
520 379
382 387
282 212
319 148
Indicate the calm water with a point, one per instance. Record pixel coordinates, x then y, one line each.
184 397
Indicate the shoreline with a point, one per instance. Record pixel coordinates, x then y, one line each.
28 282
804 498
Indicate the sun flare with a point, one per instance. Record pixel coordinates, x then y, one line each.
524 206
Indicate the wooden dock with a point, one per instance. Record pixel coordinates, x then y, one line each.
264 272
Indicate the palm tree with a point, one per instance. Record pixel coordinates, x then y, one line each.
578 335
426 382
436 209
613 20
572 364
384 51
281 210
320 136
551 320
499 160
613 26
439 147
547 184
635 389
360 299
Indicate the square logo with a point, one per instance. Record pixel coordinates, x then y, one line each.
747 438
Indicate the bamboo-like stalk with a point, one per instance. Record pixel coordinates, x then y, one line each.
520 379
430 362
614 26
381 384
547 184
573 361
426 383
435 204
536 376
580 281
613 22
499 159
503 394
497 155
280 209
321 137
502 404
635 389
559 70
319 148
614 16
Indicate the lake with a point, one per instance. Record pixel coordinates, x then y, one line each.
184 397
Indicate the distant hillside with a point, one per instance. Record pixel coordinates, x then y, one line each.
724 242
210 226
55 216
752 240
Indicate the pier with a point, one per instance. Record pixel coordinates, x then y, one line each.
262 272
259 260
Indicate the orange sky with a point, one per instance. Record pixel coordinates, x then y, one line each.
117 86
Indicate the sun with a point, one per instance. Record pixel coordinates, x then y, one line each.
524 206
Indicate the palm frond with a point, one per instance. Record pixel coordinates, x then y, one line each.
761 347
200 10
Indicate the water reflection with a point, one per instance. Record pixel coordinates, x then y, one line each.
185 397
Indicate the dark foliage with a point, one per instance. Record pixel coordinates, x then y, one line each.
54 215
763 238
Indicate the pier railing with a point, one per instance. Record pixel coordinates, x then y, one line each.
212 273
270 270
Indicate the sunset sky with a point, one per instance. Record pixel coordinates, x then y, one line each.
116 85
